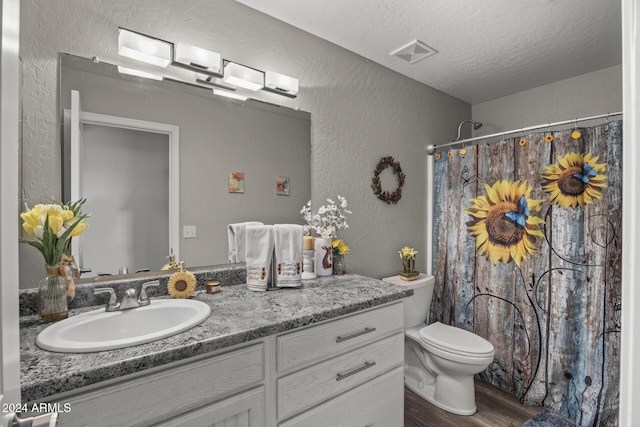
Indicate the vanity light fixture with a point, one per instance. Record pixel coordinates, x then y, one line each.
241 76
195 57
144 48
209 67
228 94
280 84
138 73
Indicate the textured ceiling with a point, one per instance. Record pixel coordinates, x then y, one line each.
486 48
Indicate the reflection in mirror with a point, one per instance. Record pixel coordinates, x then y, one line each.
127 170
217 136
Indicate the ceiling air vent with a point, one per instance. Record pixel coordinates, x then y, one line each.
414 52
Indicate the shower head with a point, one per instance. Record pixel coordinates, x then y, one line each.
476 126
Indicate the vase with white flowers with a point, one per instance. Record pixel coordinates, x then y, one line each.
326 222
53 225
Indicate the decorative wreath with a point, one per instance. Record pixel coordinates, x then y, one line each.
385 196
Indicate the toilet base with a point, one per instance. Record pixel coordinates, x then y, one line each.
425 390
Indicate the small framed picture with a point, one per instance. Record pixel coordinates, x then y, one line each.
282 186
236 182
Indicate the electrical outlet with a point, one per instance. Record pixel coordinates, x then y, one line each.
189 231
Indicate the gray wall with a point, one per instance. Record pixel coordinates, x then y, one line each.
587 95
360 111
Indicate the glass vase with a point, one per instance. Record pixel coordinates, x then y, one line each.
339 264
52 295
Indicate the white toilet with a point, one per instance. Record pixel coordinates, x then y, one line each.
440 360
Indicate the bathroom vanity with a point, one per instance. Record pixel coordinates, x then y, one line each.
330 353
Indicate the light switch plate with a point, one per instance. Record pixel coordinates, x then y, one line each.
189 231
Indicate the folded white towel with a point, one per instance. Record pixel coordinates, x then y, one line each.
259 252
237 239
288 255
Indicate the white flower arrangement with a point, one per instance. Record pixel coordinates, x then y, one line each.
328 220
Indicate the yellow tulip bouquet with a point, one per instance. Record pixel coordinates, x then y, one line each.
53 225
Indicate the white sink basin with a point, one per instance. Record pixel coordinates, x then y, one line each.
98 330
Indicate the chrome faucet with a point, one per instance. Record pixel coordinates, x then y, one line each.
129 299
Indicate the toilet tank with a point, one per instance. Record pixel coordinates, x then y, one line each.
417 306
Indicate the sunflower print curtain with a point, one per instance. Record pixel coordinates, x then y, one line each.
527 254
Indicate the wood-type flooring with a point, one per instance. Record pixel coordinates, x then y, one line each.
495 408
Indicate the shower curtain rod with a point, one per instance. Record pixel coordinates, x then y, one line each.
476 140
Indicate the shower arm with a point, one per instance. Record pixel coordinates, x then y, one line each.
476 126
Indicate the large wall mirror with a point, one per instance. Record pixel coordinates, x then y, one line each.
217 136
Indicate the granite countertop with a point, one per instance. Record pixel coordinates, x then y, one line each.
237 315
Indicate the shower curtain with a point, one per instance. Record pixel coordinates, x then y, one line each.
527 253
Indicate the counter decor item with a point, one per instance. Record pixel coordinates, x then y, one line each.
386 196
53 226
308 258
339 250
325 222
324 256
172 264
182 283
408 256
213 287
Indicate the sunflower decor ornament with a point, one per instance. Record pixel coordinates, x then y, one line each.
503 222
386 196
182 283
577 179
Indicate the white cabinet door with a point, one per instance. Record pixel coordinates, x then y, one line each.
244 410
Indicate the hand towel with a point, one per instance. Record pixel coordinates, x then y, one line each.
236 237
288 255
259 253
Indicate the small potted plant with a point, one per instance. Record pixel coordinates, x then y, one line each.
340 249
408 256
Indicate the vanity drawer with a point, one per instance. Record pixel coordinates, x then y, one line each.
315 343
303 389
162 394
379 402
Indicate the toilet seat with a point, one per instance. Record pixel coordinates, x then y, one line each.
454 340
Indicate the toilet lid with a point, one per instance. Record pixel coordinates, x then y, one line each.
455 340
